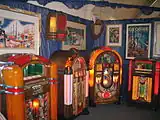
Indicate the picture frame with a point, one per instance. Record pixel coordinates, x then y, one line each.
20 31
76 36
156 43
114 35
138 40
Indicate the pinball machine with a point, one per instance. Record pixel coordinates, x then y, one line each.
72 84
28 87
143 84
105 67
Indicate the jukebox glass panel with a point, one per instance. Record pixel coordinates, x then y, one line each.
142 88
79 78
33 71
143 67
37 108
107 71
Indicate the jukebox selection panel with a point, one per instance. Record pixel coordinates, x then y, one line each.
79 79
107 72
142 81
36 92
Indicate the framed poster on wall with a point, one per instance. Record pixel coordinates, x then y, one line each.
114 35
156 43
19 31
76 36
138 38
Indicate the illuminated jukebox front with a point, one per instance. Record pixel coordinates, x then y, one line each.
143 84
72 84
28 87
105 67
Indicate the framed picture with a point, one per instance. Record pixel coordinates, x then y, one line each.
19 31
138 38
76 36
114 35
156 43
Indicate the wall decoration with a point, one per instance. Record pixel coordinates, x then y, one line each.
138 39
21 29
76 36
114 35
97 28
156 44
56 26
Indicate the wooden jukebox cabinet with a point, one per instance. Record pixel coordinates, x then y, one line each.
28 87
143 84
72 84
105 67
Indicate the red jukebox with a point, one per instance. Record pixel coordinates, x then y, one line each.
72 84
28 83
105 67
143 84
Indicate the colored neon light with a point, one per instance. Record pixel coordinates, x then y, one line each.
135 94
68 79
157 77
36 103
130 75
87 80
91 79
149 91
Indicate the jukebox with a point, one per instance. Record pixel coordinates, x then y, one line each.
28 87
105 67
72 84
143 84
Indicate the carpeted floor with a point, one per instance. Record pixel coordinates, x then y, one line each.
119 112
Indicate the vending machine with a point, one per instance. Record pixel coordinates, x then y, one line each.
105 67
72 84
143 84
28 87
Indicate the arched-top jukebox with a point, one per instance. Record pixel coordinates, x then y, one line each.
28 87
105 67
72 83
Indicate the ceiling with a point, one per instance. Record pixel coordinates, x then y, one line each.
108 13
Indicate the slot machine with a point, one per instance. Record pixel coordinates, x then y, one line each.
105 67
143 84
28 87
72 84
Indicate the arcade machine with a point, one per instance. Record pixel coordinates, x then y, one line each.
105 67
28 87
72 84
143 84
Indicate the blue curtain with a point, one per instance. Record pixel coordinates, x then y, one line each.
76 4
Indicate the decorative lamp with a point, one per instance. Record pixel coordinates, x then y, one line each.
56 26
97 29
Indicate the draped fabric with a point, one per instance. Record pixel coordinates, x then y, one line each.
76 4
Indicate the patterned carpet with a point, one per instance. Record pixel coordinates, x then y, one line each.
119 112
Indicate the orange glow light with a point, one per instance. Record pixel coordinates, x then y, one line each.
91 79
53 24
36 103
